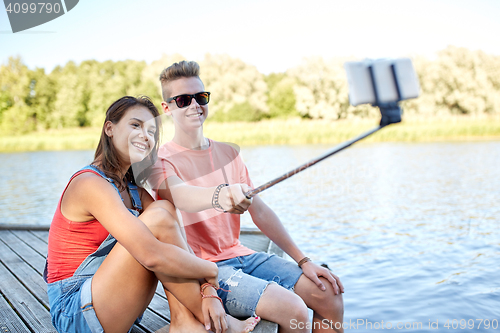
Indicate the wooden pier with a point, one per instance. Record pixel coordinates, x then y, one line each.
24 304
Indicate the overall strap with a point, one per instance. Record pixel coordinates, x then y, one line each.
103 175
134 195
132 189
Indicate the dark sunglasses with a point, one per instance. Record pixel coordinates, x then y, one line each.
181 101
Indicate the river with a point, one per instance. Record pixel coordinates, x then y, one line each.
412 229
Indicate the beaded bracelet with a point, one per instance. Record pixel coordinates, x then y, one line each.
303 261
215 199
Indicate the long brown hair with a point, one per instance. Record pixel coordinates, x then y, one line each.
106 155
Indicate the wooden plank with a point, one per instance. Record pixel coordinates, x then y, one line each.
256 242
31 245
32 280
33 258
43 235
159 304
152 322
275 249
9 321
137 329
24 227
35 315
32 241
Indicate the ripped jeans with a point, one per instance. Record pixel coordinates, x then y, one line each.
248 276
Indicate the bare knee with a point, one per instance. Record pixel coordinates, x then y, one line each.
326 303
165 204
298 310
294 311
159 220
297 316
329 299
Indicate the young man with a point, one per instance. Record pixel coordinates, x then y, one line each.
194 173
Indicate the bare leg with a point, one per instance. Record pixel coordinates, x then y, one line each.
122 288
184 321
291 318
328 308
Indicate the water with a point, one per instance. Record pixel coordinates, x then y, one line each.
411 229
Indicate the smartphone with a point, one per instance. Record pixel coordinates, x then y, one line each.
381 81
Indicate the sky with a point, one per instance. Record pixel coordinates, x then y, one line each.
271 35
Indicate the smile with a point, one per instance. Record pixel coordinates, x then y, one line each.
140 146
195 115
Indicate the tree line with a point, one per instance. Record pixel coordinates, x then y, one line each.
458 81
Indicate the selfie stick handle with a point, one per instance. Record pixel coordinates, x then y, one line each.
391 113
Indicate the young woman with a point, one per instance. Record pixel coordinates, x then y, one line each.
110 243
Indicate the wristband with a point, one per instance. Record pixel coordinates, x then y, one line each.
303 261
206 285
215 199
212 296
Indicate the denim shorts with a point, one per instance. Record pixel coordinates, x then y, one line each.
71 306
247 277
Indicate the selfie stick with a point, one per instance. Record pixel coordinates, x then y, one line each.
391 113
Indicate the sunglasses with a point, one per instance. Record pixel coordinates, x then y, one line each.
181 101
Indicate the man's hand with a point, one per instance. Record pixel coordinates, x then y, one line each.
232 198
313 272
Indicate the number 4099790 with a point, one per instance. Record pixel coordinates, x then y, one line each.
471 324
40 7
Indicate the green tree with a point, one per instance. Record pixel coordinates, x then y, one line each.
321 90
281 96
42 97
459 81
238 89
150 76
71 101
16 116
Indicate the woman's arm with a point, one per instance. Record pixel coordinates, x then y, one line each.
100 200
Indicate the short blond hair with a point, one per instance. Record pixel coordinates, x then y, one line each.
177 71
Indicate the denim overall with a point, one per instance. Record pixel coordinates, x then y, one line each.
71 299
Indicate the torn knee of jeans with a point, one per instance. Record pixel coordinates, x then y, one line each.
231 280
264 290
262 293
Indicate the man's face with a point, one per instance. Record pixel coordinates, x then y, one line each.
193 115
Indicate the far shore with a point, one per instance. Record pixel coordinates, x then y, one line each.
283 132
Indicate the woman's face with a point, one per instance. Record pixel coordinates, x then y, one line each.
134 135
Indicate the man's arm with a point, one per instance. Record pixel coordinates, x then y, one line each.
194 199
269 223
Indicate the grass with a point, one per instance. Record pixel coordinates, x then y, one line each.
292 131
64 139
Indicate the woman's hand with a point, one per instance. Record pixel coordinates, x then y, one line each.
214 316
232 198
